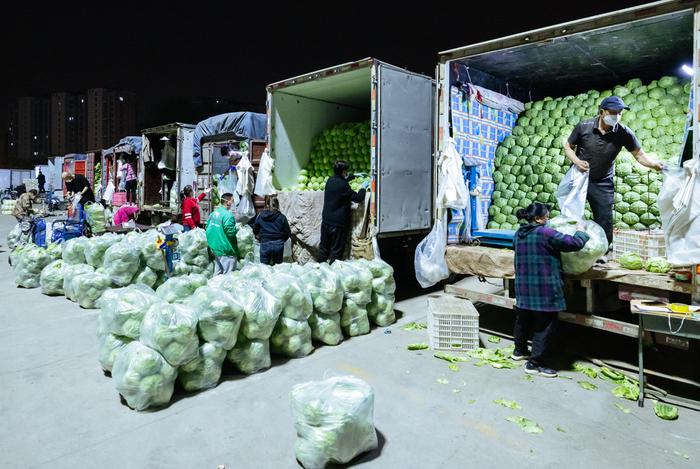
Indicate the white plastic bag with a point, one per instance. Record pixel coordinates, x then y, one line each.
581 261
334 420
245 210
453 191
429 259
679 207
572 192
263 183
109 192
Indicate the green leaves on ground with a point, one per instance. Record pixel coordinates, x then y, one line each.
526 425
507 403
442 381
586 370
450 358
587 386
414 326
665 411
494 340
421 346
622 408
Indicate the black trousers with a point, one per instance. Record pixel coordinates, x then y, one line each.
601 196
332 243
538 326
131 191
272 252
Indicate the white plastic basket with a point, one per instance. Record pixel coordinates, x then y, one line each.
647 244
453 324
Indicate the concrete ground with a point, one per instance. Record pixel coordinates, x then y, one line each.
58 410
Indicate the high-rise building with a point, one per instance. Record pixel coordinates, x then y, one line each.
68 123
111 115
29 128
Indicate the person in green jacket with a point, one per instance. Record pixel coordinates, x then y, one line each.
221 236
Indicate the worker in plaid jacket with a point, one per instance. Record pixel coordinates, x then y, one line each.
539 287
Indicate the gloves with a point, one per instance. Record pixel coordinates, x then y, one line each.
365 185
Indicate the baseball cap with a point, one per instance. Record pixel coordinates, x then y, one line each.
613 103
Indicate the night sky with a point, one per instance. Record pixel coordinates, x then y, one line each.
164 53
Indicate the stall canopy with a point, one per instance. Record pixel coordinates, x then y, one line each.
131 145
233 125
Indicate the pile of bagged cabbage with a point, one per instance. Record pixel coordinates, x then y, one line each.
154 330
151 339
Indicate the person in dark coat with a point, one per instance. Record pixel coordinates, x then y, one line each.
337 197
41 180
273 229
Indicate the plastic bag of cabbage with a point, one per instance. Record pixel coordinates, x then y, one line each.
95 215
14 236
181 268
95 248
74 250
54 250
380 309
261 308
219 316
357 283
143 377
581 261
334 420
110 346
146 276
245 239
291 338
179 289
204 371
89 287
171 329
151 255
250 355
51 278
122 309
70 272
31 262
327 296
193 247
121 262
530 162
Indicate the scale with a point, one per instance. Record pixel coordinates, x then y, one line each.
168 244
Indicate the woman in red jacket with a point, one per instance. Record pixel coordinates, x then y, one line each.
190 208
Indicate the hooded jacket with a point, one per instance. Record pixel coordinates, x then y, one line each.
272 225
538 272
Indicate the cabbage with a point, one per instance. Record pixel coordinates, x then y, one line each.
89 287
143 377
631 260
171 330
326 328
14 236
261 309
597 245
31 262
250 355
122 309
204 371
96 247
245 239
193 247
55 251
179 289
658 265
110 347
74 250
219 316
291 338
51 278
325 288
121 262
334 421
96 218
357 282
146 276
665 411
296 300
380 309
70 272
151 254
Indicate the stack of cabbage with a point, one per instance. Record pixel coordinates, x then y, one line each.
381 308
96 217
28 263
327 296
356 279
292 334
530 163
346 141
246 240
8 206
194 254
334 420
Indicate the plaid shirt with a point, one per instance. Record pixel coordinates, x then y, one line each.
538 281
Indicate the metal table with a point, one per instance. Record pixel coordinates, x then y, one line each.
682 325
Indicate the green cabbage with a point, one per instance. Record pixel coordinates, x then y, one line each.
74 250
51 278
219 316
597 245
250 355
89 287
204 371
291 338
171 330
658 265
121 262
193 247
70 272
179 289
631 260
122 309
110 347
95 248
31 262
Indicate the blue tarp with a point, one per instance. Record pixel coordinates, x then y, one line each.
131 145
239 125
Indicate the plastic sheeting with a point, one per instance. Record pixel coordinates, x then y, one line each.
679 205
131 145
240 125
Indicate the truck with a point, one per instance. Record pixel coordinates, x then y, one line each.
241 131
397 103
126 147
646 42
166 166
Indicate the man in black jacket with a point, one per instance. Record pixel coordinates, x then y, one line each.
337 198
273 229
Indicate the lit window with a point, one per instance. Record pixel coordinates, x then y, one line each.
121 98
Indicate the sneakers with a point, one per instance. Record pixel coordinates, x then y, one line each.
519 356
540 370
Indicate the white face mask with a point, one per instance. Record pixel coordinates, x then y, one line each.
611 119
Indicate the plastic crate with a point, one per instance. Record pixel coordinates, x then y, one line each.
645 243
118 199
453 324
